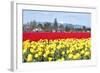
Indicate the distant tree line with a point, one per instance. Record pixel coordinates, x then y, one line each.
34 26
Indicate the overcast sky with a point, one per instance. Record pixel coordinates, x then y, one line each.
62 17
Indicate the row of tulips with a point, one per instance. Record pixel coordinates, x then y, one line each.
56 50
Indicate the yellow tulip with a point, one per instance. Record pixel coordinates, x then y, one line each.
52 52
76 56
24 50
39 53
62 59
67 51
36 55
29 58
32 50
87 53
82 52
70 56
49 58
44 55
40 49
47 52
62 52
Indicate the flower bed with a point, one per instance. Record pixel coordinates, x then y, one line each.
35 36
56 49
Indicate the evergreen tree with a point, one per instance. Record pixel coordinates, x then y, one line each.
55 24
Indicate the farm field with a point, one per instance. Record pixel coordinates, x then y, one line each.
35 36
59 46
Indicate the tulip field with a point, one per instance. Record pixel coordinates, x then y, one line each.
35 36
39 47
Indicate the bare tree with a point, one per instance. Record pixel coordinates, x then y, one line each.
61 28
47 27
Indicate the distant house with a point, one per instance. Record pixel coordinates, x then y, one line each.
37 30
78 27
61 28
